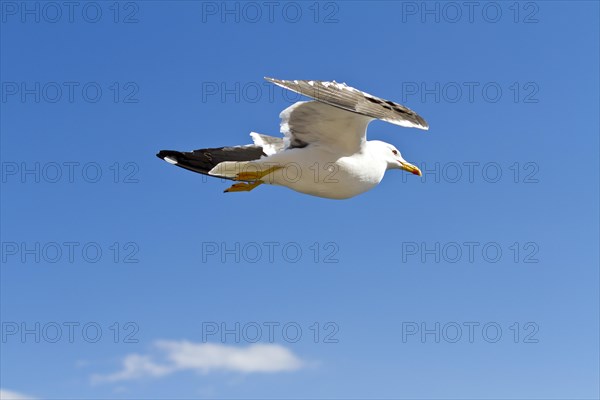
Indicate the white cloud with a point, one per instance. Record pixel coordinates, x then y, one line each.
208 356
10 395
134 366
204 358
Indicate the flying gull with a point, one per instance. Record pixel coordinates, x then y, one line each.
324 151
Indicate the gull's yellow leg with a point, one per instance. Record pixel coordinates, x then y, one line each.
255 175
243 187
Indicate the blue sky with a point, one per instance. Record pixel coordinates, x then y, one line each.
134 262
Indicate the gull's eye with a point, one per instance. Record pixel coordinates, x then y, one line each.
395 152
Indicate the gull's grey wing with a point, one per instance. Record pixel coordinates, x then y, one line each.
345 97
315 123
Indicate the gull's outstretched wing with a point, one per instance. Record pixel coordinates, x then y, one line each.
347 98
315 123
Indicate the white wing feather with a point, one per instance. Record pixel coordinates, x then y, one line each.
315 123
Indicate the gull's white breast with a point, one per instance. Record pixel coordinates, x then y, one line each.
319 172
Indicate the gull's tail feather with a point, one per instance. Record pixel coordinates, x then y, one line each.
269 144
204 160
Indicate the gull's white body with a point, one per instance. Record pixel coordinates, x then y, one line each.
320 172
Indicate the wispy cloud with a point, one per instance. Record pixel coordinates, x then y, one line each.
10 395
135 366
204 358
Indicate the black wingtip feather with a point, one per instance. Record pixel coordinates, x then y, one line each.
166 153
203 160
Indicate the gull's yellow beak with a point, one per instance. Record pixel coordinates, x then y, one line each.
413 169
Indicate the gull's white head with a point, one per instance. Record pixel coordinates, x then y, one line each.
392 157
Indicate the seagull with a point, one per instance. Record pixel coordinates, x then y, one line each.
324 150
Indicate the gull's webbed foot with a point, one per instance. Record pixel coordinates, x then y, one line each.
243 187
255 175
